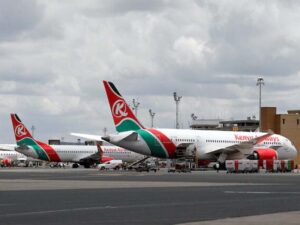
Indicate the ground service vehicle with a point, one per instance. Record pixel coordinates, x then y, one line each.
112 164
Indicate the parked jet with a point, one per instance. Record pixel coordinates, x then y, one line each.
11 156
85 155
177 143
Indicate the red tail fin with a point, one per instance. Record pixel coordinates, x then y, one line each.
20 129
123 116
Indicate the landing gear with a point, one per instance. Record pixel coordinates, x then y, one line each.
75 165
219 166
87 166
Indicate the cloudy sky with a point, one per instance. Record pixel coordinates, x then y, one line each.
55 54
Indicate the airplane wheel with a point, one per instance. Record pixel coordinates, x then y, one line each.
87 166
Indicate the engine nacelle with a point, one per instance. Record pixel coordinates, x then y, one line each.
191 150
265 154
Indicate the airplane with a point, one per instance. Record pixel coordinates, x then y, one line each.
85 155
206 145
7 157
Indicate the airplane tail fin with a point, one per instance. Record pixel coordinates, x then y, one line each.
122 114
100 151
24 138
21 132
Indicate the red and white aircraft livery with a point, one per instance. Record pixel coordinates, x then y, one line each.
176 143
7 157
85 155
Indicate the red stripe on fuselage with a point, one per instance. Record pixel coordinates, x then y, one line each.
168 144
52 154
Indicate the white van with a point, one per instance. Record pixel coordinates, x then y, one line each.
112 164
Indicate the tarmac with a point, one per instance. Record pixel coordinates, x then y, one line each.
88 196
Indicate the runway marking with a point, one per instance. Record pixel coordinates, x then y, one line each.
286 218
7 204
107 207
26 184
262 192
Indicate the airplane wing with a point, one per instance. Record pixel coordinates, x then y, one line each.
94 158
7 147
88 136
243 147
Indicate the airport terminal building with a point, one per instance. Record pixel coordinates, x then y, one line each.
287 125
249 124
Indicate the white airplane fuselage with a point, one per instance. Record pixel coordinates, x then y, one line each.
12 155
161 142
74 153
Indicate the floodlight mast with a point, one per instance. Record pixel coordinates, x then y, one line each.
260 82
177 100
152 114
194 117
135 106
32 130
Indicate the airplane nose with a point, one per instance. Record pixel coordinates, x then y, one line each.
295 152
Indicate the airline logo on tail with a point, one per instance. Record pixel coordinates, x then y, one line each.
20 130
23 137
123 116
119 108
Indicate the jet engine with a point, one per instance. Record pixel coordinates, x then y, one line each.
264 154
191 150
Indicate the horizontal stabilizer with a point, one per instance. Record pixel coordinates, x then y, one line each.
88 136
125 136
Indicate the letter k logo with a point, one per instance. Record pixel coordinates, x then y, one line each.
119 108
20 130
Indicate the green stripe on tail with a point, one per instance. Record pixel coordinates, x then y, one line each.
154 145
29 142
126 125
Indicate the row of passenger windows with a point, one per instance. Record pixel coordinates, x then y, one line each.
8 153
238 142
271 143
223 141
185 140
67 151
115 152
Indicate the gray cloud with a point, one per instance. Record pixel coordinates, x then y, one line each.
17 17
55 54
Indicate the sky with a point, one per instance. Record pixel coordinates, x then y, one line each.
55 54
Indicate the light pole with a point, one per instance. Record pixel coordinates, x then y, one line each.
104 131
135 106
177 100
32 130
152 114
194 117
260 81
